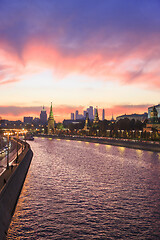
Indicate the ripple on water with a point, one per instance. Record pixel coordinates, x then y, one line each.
76 190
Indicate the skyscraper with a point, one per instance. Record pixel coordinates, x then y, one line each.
76 114
72 116
84 113
90 112
51 122
103 114
43 116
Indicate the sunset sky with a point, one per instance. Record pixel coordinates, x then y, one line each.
78 53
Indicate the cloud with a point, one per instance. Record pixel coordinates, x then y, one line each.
117 110
61 112
111 40
16 110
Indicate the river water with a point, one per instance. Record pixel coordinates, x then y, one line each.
79 190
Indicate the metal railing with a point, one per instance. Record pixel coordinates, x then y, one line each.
11 155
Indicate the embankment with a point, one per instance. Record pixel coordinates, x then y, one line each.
136 144
11 183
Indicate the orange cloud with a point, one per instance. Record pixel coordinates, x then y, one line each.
130 66
126 109
17 112
139 66
64 112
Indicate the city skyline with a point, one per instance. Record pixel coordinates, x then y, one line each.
78 54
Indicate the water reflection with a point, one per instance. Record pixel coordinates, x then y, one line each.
79 190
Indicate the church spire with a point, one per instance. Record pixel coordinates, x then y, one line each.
96 118
51 122
51 112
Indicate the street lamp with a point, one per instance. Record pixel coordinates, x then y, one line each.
7 134
17 145
133 131
140 134
25 131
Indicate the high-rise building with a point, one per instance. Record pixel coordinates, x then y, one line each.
76 113
51 122
80 116
103 114
43 116
90 112
72 116
84 114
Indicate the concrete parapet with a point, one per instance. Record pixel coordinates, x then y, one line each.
11 183
129 143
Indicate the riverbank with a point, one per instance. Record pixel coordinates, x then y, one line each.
11 183
129 143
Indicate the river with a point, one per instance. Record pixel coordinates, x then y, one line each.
80 190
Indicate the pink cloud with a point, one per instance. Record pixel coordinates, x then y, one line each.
17 112
64 112
126 109
138 66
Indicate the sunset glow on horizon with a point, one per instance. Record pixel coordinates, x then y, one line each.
76 54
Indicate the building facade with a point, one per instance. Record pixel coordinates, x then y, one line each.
150 110
72 116
43 116
140 117
90 112
28 120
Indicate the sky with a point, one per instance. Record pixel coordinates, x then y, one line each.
77 53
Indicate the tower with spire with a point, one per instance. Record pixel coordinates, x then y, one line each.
51 121
154 116
96 118
86 126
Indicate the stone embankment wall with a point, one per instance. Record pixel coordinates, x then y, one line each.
142 145
13 180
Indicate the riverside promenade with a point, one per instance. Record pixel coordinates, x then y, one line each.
129 143
14 147
11 183
13 163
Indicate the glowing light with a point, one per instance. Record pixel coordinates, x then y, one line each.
97 144
139 152
108 146
122 149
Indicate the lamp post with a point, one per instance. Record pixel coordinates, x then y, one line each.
133 131
150 134
25 131
17 146
7 134
140 134
122 133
